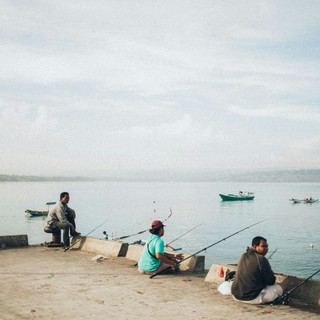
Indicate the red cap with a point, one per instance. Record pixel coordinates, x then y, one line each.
157 224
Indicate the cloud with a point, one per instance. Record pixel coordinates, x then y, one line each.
309 114
177 85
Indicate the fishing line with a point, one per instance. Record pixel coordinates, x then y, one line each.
204 249
168 245
142 231
116 235
184 234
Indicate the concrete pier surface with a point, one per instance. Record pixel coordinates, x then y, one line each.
47 283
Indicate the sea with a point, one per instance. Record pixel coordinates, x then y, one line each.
219 230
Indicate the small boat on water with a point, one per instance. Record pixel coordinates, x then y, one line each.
310 200
305 200
294 200
241 196
39 213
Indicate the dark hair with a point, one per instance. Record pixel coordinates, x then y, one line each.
63 194
155 230
256 240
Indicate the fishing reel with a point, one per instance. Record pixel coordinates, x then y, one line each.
284 300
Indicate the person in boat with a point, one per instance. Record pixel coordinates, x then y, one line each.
62 217
153 258
254 280
105 235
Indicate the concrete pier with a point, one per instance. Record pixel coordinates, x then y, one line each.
308 293
47 283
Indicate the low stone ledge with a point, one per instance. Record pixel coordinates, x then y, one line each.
193 264
217 272
107 247
13 241
134 252
309 292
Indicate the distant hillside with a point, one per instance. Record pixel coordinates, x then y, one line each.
309 175
16 178
306 175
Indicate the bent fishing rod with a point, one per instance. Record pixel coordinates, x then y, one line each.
66 249
140 232
284 299
204 249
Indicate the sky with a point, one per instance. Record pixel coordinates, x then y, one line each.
123 87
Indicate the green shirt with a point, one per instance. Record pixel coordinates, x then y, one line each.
147 262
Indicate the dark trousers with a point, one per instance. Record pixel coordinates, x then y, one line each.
71 220
65 227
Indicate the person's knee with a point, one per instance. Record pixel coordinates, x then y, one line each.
283 286
62 225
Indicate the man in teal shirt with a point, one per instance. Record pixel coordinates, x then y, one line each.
153 258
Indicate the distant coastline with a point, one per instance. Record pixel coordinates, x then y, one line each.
301 175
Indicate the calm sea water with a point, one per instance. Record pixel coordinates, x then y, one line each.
127 208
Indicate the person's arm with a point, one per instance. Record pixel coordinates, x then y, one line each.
174 256
71 212
267 272
62 217
161 257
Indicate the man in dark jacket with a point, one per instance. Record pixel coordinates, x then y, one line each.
254 280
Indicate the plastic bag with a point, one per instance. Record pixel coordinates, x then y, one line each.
225 287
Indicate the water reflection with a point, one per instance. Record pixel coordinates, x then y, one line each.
236 207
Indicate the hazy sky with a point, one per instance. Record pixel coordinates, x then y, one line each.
106 87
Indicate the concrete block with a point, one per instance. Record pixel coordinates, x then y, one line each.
13 241
134 252
217 272
194 264
107 247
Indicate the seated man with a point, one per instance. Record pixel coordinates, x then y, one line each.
153 258
59 215
254 281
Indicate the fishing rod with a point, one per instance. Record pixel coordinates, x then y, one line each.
204 249
285 298
272 253
168 245
66 249
184 234
143 231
